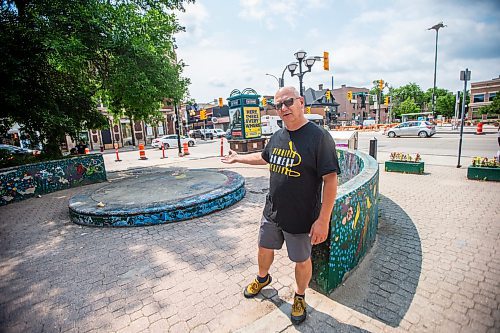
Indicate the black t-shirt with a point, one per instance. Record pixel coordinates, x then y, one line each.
297 161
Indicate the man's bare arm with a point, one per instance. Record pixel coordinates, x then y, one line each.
253 159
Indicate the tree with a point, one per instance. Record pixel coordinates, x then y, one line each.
408 106
45 80
412 91
445 105
493 108
58 57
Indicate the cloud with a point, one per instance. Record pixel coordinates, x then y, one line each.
193 19
271 13
246 39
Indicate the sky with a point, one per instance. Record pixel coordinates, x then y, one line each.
232 44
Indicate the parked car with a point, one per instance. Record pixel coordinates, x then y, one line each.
421 128
202 134
15 150
170 140
218 132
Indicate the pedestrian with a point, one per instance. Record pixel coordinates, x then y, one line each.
301 158
80 147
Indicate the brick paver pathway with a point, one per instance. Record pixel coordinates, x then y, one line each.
435 266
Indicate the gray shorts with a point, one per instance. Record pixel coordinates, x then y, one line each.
271 236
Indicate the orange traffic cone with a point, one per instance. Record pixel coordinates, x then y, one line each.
87 151
142 152
186 149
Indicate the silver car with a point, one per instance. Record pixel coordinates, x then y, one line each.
421 128
171 141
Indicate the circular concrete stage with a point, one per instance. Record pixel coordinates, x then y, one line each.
157 198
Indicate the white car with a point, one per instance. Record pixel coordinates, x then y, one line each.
219 133
170 140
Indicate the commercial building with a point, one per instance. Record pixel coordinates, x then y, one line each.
482 93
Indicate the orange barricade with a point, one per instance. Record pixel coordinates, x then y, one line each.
221 146
142 152
186 149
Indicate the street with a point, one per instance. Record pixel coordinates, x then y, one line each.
441 149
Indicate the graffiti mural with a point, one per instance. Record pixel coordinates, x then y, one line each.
29 180
353 224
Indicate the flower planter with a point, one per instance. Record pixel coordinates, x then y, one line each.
404 167
483 173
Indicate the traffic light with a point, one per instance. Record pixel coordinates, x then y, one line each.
381 84
221 104
203 114
326 61
386 100
328 95
264 101
308 110
349 95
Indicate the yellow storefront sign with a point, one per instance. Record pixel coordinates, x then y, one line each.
251 119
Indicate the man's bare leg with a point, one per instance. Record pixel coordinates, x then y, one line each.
265 259
303 274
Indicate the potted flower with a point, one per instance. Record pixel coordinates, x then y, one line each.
484 169
406 163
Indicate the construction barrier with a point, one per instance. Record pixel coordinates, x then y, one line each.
186 149
479 128
222 147
117 157
142 152
116 152
163 151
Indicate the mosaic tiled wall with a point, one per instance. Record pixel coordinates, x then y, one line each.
83 210
353 224
29 180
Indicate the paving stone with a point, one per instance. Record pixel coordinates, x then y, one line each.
432 270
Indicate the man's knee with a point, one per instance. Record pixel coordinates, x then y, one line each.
265 252
304 264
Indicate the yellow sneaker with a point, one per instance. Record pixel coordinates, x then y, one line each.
255 287
299 312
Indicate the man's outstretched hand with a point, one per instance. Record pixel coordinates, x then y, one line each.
230 158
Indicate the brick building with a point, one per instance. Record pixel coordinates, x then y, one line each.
356 109
482 93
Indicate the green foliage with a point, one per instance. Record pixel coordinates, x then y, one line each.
493 108
428 95
408 106
60 57
409 91
445 105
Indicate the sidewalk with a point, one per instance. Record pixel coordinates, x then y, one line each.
434 266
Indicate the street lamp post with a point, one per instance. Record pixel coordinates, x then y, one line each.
301 58
281 81
277 79
435 27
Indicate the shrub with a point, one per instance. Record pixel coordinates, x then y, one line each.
402 157
485 162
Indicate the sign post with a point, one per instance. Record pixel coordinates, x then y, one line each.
464 76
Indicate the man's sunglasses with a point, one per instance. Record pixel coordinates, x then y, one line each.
287 102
